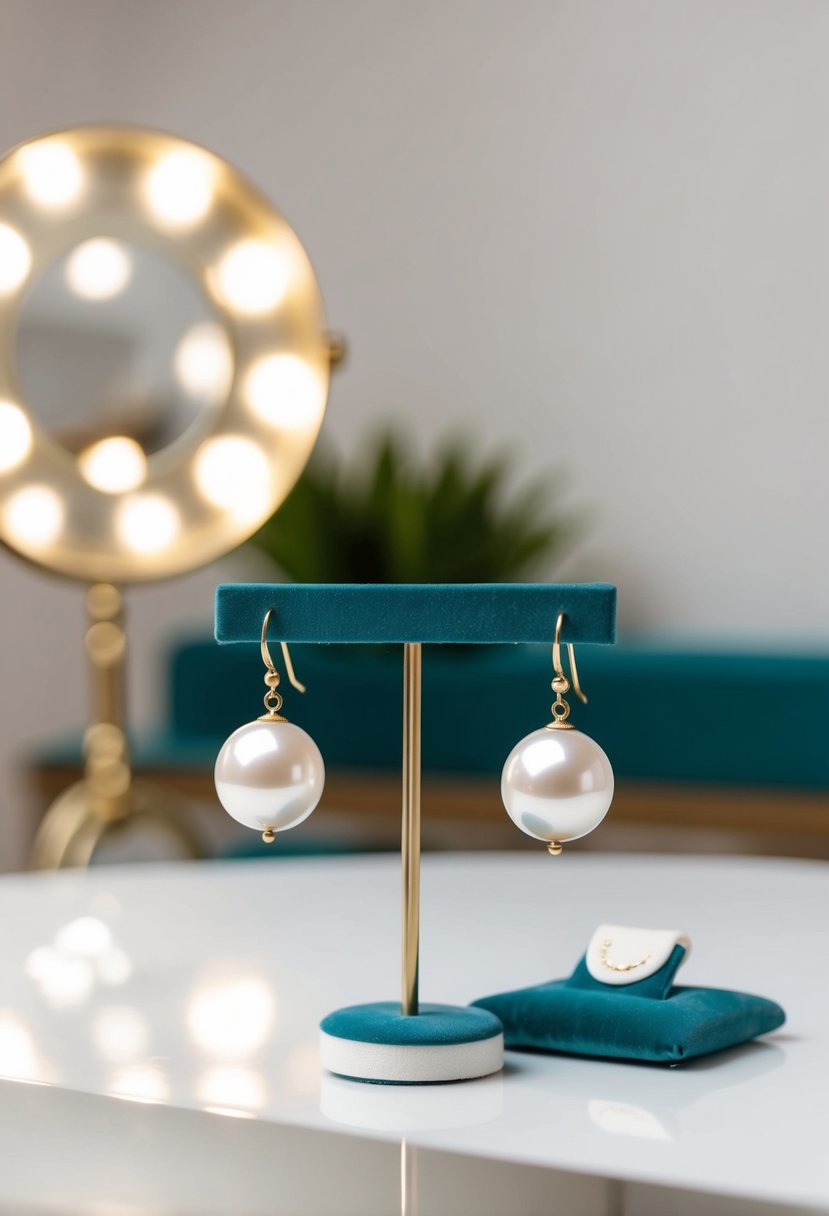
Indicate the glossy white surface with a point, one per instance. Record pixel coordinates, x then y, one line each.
557 785
202 987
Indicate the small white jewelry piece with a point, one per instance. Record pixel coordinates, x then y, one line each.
269 773
557 783
621 954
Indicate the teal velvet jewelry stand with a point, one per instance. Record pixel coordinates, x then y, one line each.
410 1042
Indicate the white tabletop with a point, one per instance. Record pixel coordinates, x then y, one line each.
200 987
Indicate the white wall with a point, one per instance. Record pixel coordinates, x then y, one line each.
599 229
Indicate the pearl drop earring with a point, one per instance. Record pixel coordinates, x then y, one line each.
269 773
557 783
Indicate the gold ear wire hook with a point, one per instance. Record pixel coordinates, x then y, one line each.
286 654
574 671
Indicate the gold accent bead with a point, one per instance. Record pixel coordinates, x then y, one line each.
554 848
269 835
605 961
560 685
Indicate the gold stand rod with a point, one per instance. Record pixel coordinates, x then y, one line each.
107 797
410 842
408 1179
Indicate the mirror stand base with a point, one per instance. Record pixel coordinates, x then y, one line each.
74 826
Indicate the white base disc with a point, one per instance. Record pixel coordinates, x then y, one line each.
401 1064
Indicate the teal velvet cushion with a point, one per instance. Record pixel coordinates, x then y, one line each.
652 1020
434 1025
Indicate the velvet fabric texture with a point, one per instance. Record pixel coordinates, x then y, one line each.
384 1022
458 613
653 1020
509 689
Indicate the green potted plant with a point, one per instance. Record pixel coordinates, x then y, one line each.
452 518
393 518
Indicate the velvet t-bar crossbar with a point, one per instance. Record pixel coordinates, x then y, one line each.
470 613
410 1042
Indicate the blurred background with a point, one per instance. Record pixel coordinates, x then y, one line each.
580 253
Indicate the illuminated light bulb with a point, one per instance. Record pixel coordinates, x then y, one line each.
180 187
233 473
284 391
15 436
147 523
99 269
52 173
203 362
34 515
113 465
253 277
15 259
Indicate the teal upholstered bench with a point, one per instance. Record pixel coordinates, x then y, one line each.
665 713
661 712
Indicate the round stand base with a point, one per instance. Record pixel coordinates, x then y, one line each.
440 1043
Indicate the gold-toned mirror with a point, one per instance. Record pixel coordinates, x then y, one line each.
164 371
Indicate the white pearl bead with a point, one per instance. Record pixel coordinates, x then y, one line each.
269 775
557 785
